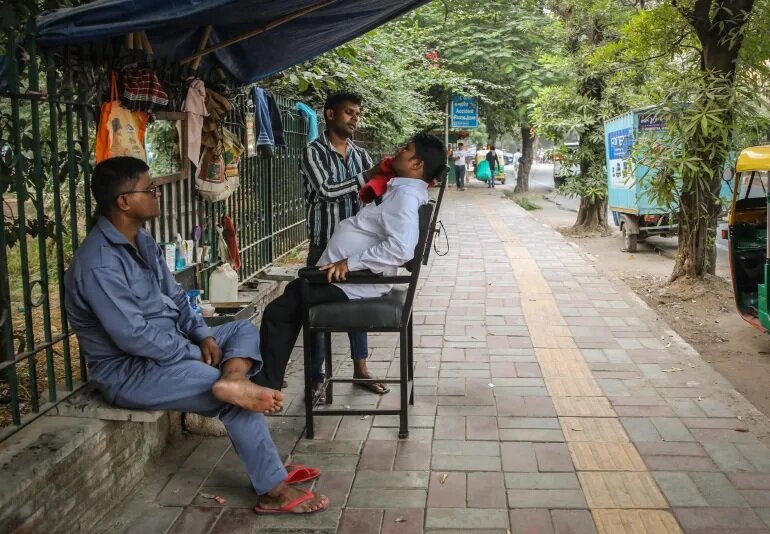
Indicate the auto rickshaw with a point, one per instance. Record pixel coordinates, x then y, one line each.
747 227
481 167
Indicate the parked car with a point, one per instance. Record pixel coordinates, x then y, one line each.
507 157
561 171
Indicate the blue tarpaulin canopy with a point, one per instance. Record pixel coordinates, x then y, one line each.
175 28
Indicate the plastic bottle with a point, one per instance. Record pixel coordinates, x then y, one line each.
223 284
179 260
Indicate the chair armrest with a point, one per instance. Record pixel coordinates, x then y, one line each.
316 276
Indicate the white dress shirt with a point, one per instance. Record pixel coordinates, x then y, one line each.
459 156
381 237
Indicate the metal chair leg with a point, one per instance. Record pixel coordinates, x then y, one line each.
410 353
308 349
403 430
328 367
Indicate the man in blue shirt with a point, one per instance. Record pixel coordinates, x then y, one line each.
147 349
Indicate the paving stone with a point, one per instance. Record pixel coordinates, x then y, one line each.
728 457
364 521
679 463
531 521
725 519
412 456
389 433
519 457
196 519
479 448
182 488
621 490
241 520
378 455
541 481
528 422
573 522
530 434
312 446
466 518
641 429
387 498
447 494
679 489
157 519
486 490
647 448
465 463
546 498
717 489
603 456
760 481
402 521
757 454
671 429
449 427
628 521
326 462
592 429
482 428
335 485
391 479
553 457
583 407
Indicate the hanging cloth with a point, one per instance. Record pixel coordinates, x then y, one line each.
195 106
312 120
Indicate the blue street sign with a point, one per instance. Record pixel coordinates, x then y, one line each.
465 112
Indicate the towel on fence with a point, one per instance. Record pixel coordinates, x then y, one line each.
195 107
312 120
267 122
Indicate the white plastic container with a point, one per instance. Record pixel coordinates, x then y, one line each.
223 284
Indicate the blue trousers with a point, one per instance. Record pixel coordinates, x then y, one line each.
359 344
460 176
186 387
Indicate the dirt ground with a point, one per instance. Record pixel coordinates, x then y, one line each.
702 313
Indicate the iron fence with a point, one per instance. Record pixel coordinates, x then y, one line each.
47 130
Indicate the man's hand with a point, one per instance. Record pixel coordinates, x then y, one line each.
211 354
337 271
371 173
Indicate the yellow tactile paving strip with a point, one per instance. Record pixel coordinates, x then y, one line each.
622 495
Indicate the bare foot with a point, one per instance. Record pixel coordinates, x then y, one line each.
283 495
246 394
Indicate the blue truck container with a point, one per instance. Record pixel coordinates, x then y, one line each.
632 209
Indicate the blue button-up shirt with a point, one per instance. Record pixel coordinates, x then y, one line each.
125 305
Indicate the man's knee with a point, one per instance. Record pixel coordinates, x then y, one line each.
242 340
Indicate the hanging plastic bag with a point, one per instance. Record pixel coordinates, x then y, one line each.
218 177
121 131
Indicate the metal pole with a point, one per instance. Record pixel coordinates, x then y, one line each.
446 121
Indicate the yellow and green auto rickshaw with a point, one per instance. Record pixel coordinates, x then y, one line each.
749 253
482 167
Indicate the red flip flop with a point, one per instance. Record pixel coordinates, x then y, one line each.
288 507
299 474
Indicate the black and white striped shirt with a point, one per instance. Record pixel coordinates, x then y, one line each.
331 185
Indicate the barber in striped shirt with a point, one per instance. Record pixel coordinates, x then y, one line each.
333 169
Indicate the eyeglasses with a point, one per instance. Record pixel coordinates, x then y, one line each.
152 191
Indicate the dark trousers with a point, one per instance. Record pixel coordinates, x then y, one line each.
281 324
359 346
460 174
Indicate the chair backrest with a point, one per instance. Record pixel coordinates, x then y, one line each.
443 179
420 251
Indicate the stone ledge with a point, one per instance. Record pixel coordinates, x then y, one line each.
91 404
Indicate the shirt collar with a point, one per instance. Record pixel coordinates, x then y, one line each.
110 232
325 140
407 182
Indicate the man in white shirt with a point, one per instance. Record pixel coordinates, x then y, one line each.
459 156
381 237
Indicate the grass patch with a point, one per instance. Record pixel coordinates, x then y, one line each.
526 203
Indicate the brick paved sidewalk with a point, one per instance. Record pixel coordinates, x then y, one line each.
548 400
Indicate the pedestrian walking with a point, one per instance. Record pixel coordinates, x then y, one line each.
493 165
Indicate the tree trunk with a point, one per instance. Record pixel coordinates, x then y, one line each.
592 215
720 36
525 162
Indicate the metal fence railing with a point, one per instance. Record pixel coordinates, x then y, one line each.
47 129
